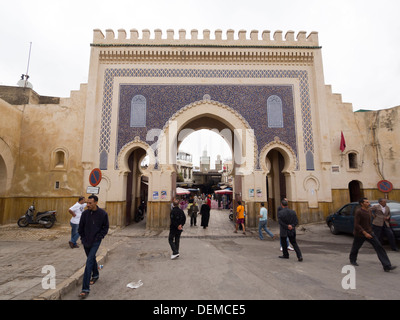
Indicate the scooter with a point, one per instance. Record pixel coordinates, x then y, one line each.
46 218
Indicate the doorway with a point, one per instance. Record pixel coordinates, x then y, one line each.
137 184
276 181
355 191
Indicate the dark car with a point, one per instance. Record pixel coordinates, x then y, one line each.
342 221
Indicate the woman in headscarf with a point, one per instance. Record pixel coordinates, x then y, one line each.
205 215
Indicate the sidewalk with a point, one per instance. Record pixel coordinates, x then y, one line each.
25 251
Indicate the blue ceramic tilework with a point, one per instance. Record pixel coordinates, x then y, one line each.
250 101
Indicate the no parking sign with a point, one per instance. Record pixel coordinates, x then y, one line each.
385 186
95 177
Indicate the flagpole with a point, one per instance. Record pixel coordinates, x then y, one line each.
27 68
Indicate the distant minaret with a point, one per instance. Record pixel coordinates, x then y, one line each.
205 162
218 163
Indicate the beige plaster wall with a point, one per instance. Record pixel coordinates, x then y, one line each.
373 136
38 132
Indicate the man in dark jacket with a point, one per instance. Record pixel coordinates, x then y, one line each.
288 221
363 231
178 219
93 227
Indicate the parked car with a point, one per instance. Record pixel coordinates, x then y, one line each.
342 221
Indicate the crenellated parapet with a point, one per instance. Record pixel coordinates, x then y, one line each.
241 38
276 48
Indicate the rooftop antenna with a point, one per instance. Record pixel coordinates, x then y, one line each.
24 77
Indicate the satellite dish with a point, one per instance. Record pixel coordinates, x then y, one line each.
24 83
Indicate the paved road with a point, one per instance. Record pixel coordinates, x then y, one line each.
236 267
214 264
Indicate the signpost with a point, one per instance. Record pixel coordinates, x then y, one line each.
94 180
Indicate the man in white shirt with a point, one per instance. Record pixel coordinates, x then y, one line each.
76 212
263 223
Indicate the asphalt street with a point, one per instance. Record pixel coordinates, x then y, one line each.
214 264
232 266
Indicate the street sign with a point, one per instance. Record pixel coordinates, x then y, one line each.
95 177
93 190
385 186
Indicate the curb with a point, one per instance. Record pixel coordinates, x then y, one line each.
73 281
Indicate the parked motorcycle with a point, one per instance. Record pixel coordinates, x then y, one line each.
46 218
231 215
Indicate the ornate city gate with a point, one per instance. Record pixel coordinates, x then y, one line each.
146 94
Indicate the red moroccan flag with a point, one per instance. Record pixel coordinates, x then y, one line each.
342 142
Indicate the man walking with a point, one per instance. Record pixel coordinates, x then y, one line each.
93 227
262 224
240 217
288 221
287 239
192 212
178 219
362 232
76 212
380 224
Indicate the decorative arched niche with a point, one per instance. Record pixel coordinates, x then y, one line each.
59 159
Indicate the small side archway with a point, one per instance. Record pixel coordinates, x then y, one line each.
277 161
136 178
6 168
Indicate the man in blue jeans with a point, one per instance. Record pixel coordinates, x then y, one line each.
262 224
76 212
93 227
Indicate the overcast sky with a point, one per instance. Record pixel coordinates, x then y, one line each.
360 39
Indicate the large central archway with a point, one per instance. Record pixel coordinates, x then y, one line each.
208 114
